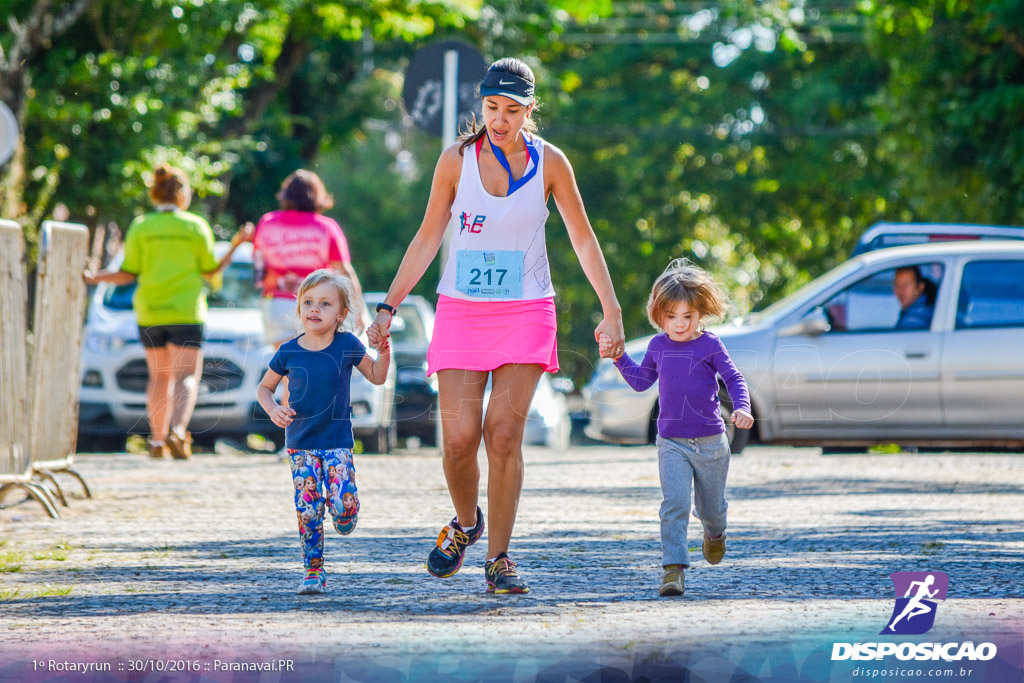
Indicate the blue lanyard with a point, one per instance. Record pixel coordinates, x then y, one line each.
531 149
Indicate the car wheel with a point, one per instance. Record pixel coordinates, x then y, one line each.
382 439
652 423
738 438
204 441
100 444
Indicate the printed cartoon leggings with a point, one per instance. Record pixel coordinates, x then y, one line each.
319 475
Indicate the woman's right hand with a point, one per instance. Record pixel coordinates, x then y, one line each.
244 234
378 331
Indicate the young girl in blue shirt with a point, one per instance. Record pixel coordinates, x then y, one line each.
693 452
317 420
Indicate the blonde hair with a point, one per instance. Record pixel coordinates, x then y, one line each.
170 186
683 281
319 277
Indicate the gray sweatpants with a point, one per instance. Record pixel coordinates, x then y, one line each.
704 461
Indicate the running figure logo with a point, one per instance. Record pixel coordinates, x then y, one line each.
471 222
914 613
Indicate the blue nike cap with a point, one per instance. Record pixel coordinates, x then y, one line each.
507 85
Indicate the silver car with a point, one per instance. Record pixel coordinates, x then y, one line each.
826 365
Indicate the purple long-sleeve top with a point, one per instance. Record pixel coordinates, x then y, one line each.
687 375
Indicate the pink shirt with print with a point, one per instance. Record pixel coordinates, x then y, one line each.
296 243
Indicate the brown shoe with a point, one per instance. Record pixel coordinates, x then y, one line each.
672 581
181 449
713 549
157 450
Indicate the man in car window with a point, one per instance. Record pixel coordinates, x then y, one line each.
910 288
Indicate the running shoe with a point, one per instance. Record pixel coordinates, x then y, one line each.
713 549
502 577
446 557
315 581
672 581
180 448
157 450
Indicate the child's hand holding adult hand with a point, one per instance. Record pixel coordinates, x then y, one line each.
742 419
379 331
281 416
612 329
606 348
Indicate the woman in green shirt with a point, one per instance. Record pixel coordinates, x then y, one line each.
169 251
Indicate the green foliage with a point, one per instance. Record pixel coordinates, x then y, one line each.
756 137
951 106
763 170
196 83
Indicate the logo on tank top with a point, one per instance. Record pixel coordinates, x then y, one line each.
471 222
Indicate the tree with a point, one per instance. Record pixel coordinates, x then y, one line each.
759 163
28 39
951 106
132 84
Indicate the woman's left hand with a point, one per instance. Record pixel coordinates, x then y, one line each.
615 342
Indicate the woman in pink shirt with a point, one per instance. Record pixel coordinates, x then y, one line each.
290 244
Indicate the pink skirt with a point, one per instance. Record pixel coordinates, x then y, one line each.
484 335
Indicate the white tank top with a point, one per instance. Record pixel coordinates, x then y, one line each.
497 250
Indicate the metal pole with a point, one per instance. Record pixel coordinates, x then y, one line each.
449 125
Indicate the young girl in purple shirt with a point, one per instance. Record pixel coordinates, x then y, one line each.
693 451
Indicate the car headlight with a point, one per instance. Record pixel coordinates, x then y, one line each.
104 342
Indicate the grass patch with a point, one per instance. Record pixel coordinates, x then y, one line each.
56 555
11 562
165 550
136 445
38 592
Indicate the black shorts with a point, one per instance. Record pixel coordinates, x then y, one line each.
159 336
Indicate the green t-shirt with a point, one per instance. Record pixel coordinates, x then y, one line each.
169 251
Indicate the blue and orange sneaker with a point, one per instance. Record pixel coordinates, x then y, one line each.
446 557
502 577
315 581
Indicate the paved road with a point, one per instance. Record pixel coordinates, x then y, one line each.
201 558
